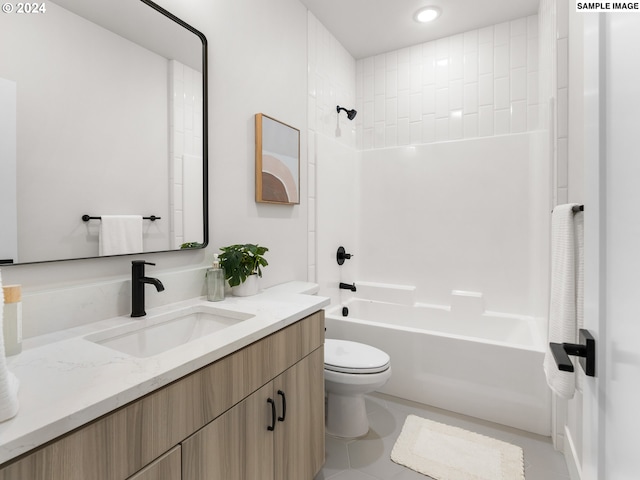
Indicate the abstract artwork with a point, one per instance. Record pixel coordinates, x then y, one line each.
277 161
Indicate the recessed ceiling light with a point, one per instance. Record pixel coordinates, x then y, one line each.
427 14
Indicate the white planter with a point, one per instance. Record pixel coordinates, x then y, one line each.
248 288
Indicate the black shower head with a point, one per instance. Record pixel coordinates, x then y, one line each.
351 114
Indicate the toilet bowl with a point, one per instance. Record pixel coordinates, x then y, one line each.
351 369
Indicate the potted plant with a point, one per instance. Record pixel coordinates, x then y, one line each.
242 266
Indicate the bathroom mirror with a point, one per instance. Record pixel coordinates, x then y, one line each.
103 111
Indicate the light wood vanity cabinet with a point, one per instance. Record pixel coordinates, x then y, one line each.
144 439
275 433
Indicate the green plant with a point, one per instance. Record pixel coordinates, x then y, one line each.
240 261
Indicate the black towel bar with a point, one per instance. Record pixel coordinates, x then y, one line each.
86 218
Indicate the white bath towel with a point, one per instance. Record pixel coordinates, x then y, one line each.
120 234
563 321
8 381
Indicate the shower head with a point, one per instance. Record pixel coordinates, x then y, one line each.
351 114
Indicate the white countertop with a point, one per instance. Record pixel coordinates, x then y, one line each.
67 381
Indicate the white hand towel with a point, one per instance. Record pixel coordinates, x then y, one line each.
8 382
562 308
120 234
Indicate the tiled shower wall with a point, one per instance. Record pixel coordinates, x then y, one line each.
479 83
331 82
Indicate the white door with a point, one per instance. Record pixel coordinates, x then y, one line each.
611 422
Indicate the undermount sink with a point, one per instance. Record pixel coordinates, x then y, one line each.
159 333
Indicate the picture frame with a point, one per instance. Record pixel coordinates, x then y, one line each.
277 161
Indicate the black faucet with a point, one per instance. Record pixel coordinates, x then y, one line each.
138 281
346 286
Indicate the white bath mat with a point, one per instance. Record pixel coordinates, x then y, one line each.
450 453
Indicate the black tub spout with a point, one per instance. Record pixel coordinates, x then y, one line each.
346 286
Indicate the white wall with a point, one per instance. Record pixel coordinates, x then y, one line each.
257 63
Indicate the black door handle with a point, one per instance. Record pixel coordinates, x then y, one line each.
272 427
586 350
284 406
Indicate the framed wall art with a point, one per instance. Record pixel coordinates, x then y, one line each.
277 161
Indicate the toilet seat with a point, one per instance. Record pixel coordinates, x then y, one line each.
345 356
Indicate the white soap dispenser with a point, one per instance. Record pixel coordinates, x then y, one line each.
215 281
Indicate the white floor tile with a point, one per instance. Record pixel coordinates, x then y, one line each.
368 457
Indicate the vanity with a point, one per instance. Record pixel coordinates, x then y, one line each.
246 401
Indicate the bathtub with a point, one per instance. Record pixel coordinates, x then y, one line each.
488 366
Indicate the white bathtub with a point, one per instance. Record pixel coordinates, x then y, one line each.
489 367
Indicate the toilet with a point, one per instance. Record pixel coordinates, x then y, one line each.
351 369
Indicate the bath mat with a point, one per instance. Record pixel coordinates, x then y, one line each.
450 453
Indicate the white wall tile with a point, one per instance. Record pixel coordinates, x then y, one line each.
501 121
518 51
442 47
518 82
442 72
367 115
501 34
485 89
415 82
485 121
455 95
378 108
404 136
378 135
518 27
501 60
429 99
471 41
428 128
429 70
455 125
470 125
562 178
391 111
415 133
404 74
456 63
485 35
391 136
471 66
478 83
415 107
442 102
485 58
562 112
470 98
519 116
391 83
501 93
442 129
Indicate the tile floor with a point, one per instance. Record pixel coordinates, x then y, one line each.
368 457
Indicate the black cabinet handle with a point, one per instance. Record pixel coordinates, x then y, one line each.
284 406
272 427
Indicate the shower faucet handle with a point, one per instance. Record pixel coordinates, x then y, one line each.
342 255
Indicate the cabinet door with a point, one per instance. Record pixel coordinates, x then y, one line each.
299 446
235 446
167 467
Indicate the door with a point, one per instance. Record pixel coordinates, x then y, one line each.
236 445
299 433
611 417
